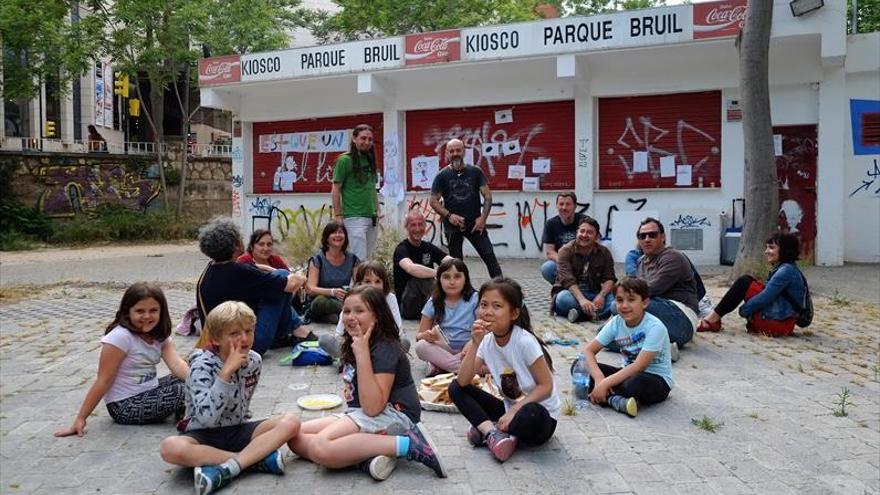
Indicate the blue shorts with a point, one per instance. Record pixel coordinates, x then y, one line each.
229 438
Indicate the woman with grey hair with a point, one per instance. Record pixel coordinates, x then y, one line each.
267 294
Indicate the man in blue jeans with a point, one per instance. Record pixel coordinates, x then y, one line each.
585 276
672 285
268 294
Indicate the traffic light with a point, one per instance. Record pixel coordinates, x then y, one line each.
134 107
50 129
120 84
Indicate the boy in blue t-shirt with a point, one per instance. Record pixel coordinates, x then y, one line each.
646 375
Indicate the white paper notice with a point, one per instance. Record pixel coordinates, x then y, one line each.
504 116
468 156
516 172
424 169
530 184
491 149
640 161
541 166
511 147
667 166
683 176
777 144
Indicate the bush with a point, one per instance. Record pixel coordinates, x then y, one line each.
15 241
18 219
117 223
387 241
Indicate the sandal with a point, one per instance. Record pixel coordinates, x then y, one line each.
706 326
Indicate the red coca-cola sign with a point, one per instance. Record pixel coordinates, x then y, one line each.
719 19
219 70
431 48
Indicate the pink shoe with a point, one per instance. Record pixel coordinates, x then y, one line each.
501 444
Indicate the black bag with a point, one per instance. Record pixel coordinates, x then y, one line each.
698 280
805 311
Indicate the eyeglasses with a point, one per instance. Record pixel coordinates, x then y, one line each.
644 235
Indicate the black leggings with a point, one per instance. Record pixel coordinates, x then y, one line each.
532 424
735 295
647 388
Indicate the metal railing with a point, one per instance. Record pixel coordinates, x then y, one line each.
50 145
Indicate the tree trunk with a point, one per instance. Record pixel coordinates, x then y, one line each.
761 194
157 103
185 119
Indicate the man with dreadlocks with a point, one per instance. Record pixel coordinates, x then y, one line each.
355 202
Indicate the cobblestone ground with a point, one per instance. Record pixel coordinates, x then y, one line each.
774 399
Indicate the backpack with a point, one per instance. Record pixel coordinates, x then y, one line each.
805 311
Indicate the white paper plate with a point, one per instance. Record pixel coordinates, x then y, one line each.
319 402
444 408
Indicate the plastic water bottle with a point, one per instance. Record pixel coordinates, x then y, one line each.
580 381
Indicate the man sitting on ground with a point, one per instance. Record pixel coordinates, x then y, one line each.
414 267
585 281
559 230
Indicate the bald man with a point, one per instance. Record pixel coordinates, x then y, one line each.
455 196
414 261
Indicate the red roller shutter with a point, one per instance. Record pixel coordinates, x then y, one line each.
314 169
542 130
687 125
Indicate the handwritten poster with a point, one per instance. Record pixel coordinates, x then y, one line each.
504 116
541 166
667 166
424 169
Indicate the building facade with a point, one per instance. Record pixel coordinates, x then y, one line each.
636 111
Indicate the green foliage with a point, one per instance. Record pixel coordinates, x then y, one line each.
358 19
39 42
24 221
15 241
116 223
843 400
244 26
386 242
706 423
839 299
593 7
868 16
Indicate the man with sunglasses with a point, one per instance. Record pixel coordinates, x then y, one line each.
671 283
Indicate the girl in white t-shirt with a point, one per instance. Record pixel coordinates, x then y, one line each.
374 274
132 345
502 339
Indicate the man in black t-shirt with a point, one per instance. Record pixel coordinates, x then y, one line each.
559 231
460 186
414 261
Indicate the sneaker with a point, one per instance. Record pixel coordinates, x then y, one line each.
379 467
310 337
574 315
422 449
209 479
501 444
431 369
272 463
475 437
625 405
674 353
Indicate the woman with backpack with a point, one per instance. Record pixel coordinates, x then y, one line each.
770 308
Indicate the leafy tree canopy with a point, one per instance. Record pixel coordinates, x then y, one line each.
359 19
593 7
39 42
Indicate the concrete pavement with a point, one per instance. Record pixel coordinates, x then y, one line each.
774 397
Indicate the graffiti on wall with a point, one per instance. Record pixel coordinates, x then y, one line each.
583 151
690 222
488 146
641 202
867 185
267 213
80 189
526 212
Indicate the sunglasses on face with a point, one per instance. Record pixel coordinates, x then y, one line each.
644 235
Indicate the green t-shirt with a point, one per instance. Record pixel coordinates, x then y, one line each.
358 198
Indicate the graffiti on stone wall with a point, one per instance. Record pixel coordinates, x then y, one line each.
79 189
690 222
872 175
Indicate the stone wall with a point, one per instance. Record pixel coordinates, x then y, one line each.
66 185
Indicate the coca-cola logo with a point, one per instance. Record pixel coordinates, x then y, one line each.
725 16
432 45
718 19
220 70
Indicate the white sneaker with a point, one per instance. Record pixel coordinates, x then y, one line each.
381 467
674 353
574 315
